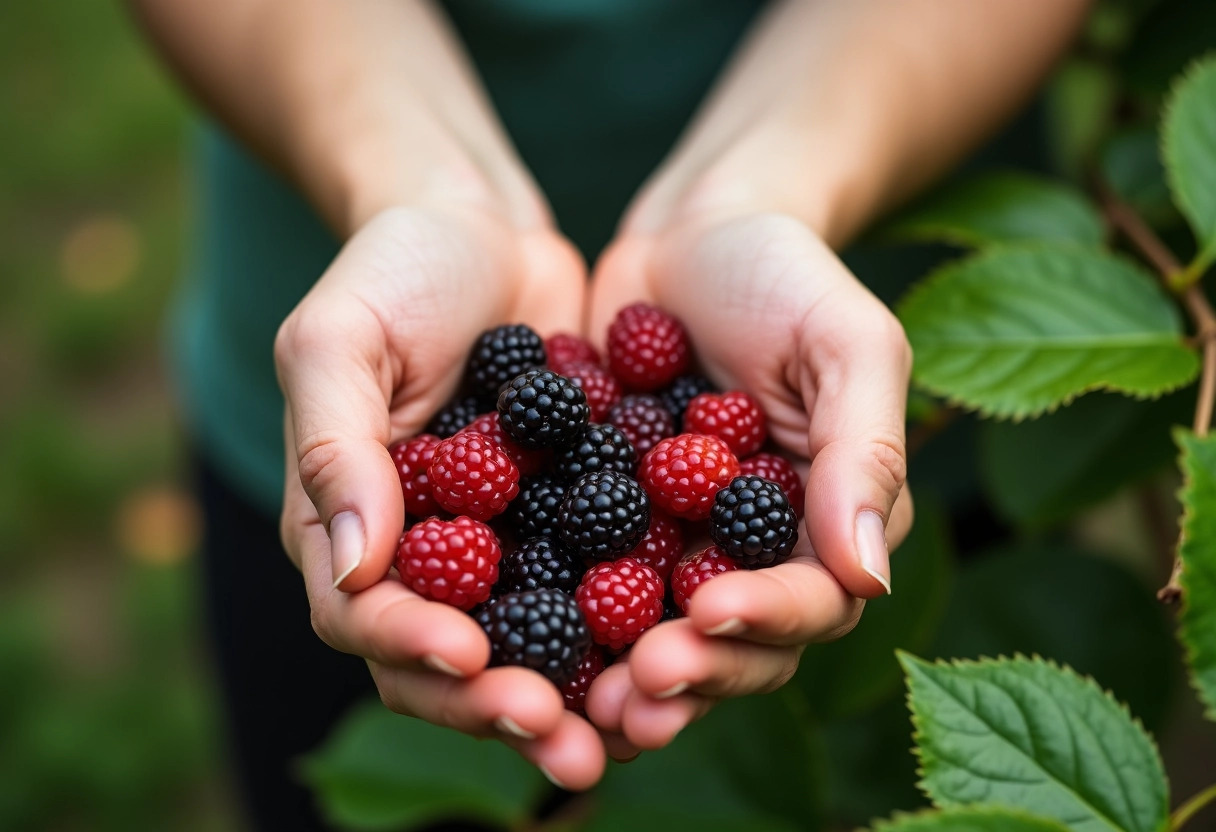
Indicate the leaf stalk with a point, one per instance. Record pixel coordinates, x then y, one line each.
1192 807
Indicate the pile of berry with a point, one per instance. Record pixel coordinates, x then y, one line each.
571 486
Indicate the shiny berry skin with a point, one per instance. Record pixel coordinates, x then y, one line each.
564 349
662 546
683 390
780 470
597 448
455 415
533 512
412 458
644 419
694 570
734 417
542 409
621 600
527 460
543 629
471 474
539 563
501 354
601 389
683 474
647 348
604 514
575 691
451 561
753 523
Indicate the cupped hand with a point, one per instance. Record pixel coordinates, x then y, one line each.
770 310
373 350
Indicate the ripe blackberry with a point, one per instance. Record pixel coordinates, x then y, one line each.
527 460
499 355
734 417
647 348
601 389
780 470
662 546
575 691
597 448
533 513
682 474
412 458
542 629
604 514
753 523
621 600
542 409
455 415
644 419
451 561
539 563
564 349
694 570
683 390
471 474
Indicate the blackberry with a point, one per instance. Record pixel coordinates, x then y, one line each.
604 514
534 512
644 419
752 522
539 563
597 448
455 416
542 409
543 629
682 391
501 354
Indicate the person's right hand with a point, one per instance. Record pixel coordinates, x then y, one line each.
373 350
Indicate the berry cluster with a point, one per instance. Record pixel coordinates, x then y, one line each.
551 499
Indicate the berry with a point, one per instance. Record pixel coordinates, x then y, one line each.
694 570
457 414
539 563
564 349
753 523
499 355
472 475
647 348
412 458
542 409
780 470
644 419
597 448
684 473
601 389
533 513
543 629
451 561
735 417
620 600
662 546
528 461
575 691
683 390
604 514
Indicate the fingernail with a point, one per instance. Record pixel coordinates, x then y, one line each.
510 726
549 775
729 627
345 544
435 663
674 690
871 542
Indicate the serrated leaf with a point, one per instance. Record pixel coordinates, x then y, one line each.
379 770
1000 208
969 820
1025 734
1188 137
1013 332
1197 622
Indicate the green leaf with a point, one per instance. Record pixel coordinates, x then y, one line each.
1188 136
1026 734
1014 332
976 819
1079 103
1197 623
1131 165
379 770
1000 208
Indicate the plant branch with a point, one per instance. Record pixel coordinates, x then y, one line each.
1191 808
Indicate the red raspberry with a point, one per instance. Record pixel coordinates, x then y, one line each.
662 546
621 599
575 691
451 561
734 417
695 570
780 470
563 349
527 460
684 473
412 458
644 420
601 389
472 475
647 348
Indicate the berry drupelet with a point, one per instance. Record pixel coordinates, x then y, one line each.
542 409
604 514
501 354
753 523
539 563
597 448
542 629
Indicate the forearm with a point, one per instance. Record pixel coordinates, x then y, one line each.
363 103
834 110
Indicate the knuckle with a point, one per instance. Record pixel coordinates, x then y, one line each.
321 625
317 455
889 461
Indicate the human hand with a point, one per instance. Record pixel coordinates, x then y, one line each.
373 350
